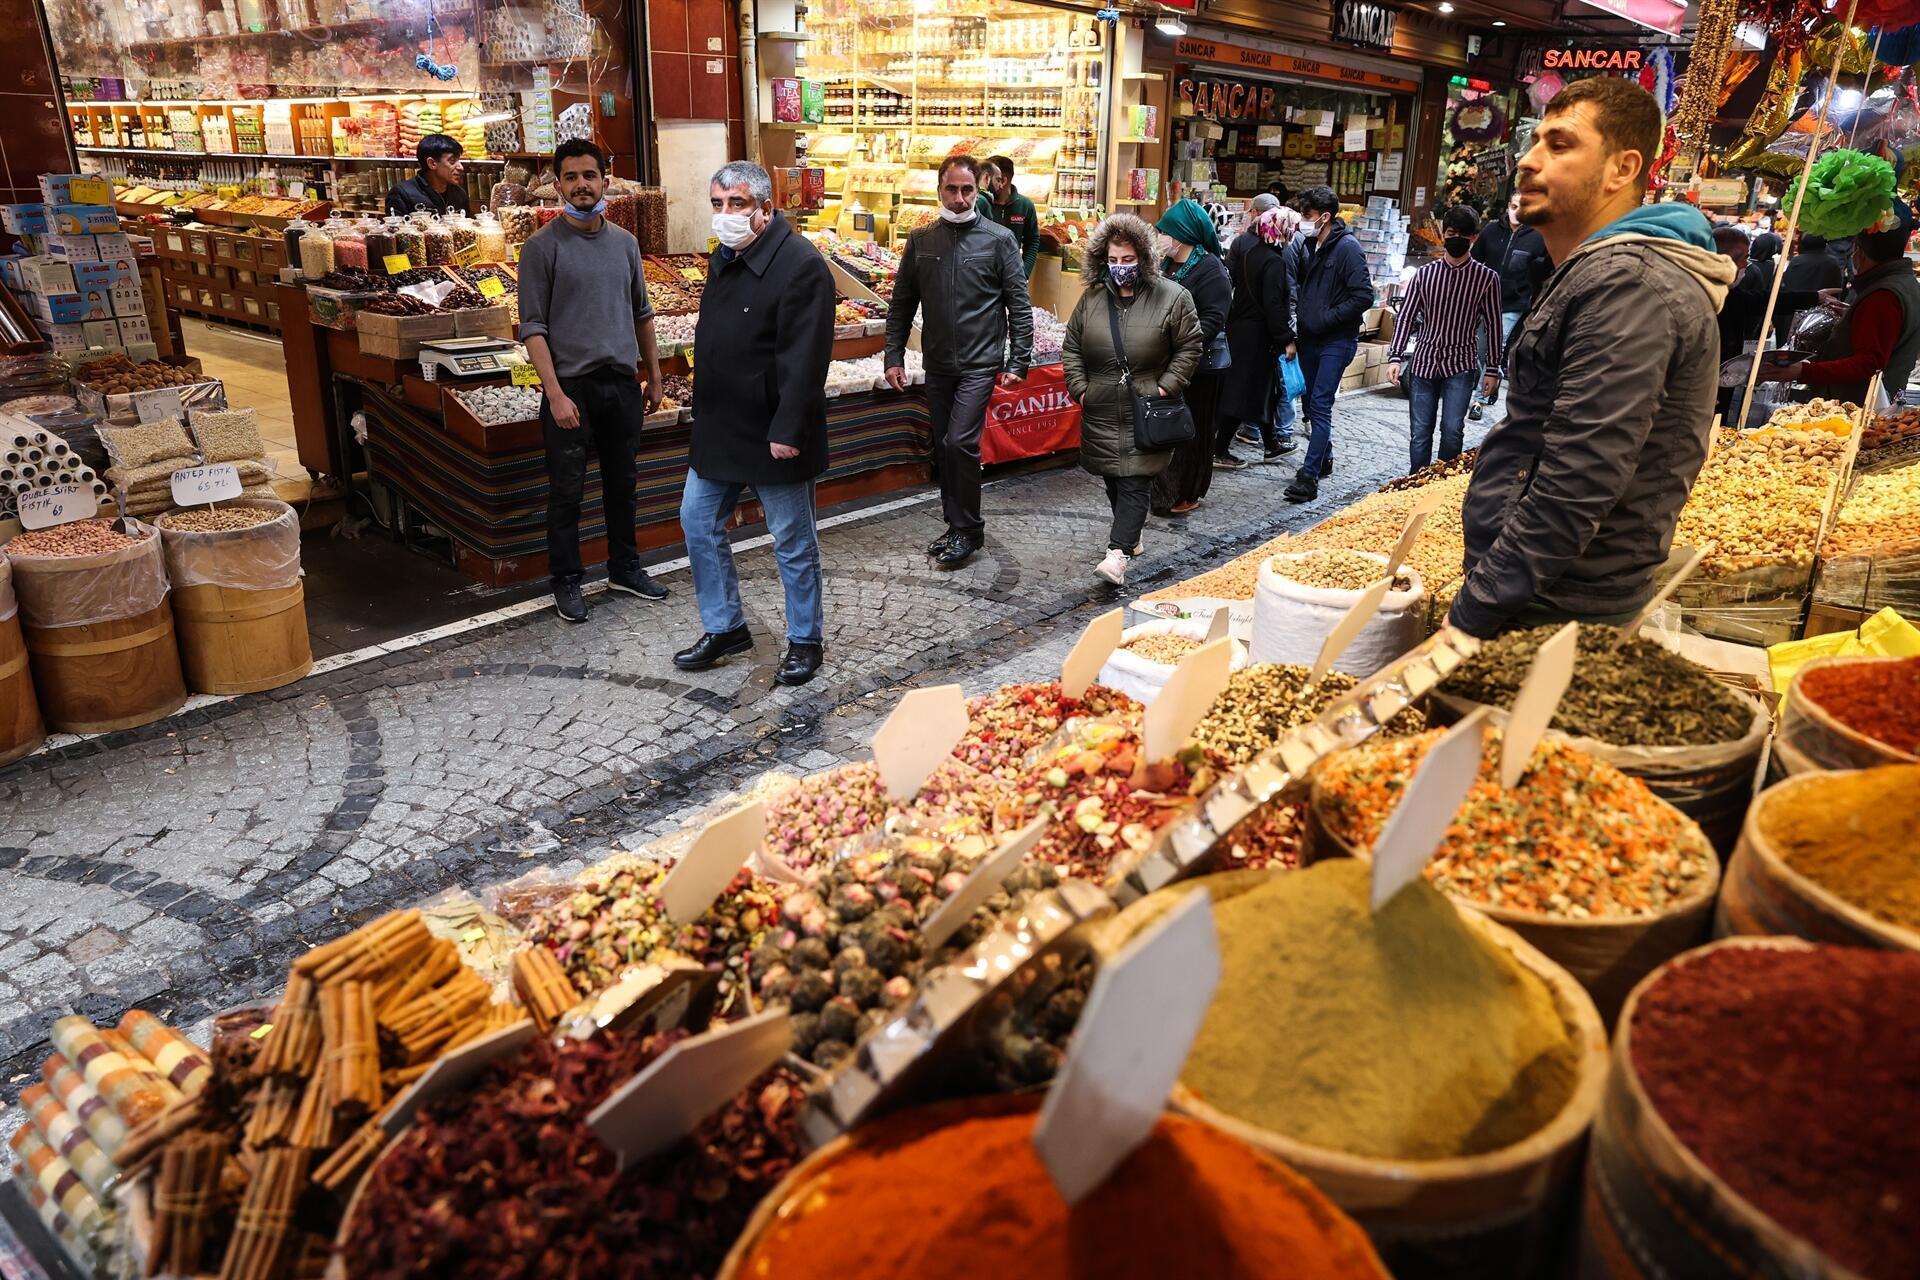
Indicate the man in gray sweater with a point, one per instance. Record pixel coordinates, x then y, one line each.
586 320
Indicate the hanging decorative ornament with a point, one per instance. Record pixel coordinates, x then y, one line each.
1888 14
1670 147
1786 22
1699 95
1771 114
1544 89
1741 63
1847 192
1854 51
1481 120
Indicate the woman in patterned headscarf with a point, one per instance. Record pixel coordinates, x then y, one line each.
1263 267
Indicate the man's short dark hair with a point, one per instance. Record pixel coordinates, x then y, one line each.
1318 200
1727 234
436 145
579 147
1625 114
1811 243
963 161
1884 246
1461 220
1004 165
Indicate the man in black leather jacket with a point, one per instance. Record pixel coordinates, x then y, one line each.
964 275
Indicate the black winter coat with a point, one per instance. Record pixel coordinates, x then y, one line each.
1259 325
1335 290
761 350
1520 256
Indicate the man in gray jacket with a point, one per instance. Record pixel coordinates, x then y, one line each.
1611 379
965 274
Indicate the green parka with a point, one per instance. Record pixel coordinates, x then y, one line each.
1162 334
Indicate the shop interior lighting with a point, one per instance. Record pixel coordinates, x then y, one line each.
1499 22
1445 7
1168 25
1846 100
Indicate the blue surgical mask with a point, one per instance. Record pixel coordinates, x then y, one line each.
589 215
1123 273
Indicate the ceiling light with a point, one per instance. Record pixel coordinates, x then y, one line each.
1445 7
1499 22
1168 25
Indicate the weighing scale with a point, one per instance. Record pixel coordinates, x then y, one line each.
469 357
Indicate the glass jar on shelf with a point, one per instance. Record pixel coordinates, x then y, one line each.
439 251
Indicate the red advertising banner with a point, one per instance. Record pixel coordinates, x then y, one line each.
1031 420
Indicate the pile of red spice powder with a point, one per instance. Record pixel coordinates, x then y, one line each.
1879 699
1795 1076
508 1181
956 1192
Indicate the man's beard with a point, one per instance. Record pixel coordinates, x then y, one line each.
1544 214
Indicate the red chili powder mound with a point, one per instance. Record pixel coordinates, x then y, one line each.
1795 1076
1879 699
956 1192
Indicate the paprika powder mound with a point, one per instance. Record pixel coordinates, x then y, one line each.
1852 833
956 1192
1794 1075
1878 699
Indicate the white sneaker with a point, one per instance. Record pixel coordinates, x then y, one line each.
1114 567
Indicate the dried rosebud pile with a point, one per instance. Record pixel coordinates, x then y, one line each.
1106 802
848 947
967 798
809 821
508 1180
1003 726
615 922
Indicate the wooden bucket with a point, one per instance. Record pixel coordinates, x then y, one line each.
238 634
1608 957
1810 738
21 729
98 676
1501 1214
1653 1210
809 1179
1763 895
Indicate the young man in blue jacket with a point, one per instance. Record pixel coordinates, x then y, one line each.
1335 292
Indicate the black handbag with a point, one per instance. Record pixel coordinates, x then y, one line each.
1160 423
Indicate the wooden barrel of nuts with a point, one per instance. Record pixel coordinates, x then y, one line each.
237 597
1501 1214
1608 956
98 629
1763 895
21 729
1652 1209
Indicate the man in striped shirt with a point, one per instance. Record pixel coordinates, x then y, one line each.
1446 304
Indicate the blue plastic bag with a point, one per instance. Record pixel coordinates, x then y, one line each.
1292 379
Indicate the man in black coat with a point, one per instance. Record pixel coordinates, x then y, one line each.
1335 292
1518 253
761 350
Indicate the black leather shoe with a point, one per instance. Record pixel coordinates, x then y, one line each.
1286 447
800 665
1302 491
940 543
1228 462
1326 468
957 552
567 600
633 580
710 648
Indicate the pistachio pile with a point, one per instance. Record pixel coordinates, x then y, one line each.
1262 703
1759 500
1335 569
217 519
1161 647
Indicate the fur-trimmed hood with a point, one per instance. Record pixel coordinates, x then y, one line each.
1139 234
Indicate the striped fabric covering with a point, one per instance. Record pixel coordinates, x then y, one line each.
497 505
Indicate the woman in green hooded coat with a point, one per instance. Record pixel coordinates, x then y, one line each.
1190 257
1161 330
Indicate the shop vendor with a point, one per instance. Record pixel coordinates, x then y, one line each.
1880 332
437 188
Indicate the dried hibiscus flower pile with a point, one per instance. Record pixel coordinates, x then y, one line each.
509 1182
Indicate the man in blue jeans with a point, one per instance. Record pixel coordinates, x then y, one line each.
1335 292
1452 305
761 350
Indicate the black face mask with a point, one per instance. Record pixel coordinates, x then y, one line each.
1457 246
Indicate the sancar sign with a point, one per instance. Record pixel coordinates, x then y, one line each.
1030 420
1363 23
1609 60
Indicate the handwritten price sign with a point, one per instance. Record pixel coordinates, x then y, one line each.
61 504
194 485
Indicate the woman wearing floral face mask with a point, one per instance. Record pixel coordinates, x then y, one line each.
1160 331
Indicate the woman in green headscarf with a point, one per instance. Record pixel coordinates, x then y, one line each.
1190 256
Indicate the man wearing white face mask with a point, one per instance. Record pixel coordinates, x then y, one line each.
965 275
761 352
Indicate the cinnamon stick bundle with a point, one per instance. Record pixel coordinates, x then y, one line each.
423 1025
263 1233
271 1121
353 1045
390 944
313 1125
543 986
441 962
342 1170
292 1048
147 1143
185 1202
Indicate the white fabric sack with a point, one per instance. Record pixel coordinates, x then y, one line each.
1291 621
1142 679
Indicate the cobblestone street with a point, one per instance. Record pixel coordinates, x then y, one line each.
180 866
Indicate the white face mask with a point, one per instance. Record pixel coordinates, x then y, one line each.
957 218
734 230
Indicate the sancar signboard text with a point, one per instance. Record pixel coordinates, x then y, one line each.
1199 49
1363 23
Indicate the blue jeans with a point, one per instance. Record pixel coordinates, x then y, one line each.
1324 362
704 509
1450 396
1282 407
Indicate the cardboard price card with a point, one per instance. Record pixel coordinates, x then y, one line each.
60 504
395 263
688 1083
1538 699
209 484
922 731
524 375
490 288
1090 653
714 858
1419 822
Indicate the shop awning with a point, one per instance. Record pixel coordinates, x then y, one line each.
1664 16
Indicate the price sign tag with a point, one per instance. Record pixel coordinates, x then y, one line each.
981 883
1189 691
61 504
491 288
524 375
1348 627
688 1083
694 274
1222 624
715 857
1416 520
1419 822
158 405
1141 1017
1534 705
90 191
455 1071
466 257
922 731
209 484
395 263
1090 652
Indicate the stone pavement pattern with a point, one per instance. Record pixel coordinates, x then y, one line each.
181 866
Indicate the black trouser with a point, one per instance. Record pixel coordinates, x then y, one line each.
957 403
611 406
1127 495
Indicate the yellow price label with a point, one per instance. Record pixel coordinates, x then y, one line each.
395 263
688 351
466 257
693 273
260 1032
91 191
491 287
474 934
525 375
